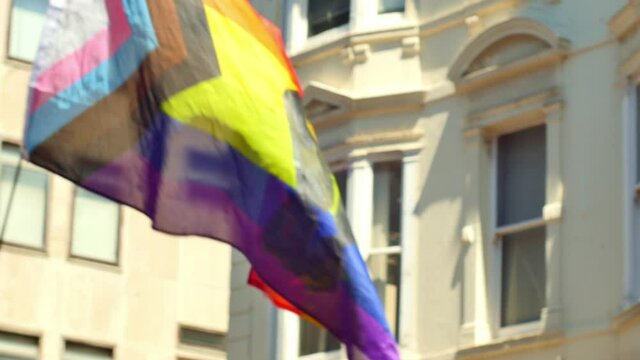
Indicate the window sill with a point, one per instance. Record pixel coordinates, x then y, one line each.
629 316
330 355
522 342
198 353
22 250
98 265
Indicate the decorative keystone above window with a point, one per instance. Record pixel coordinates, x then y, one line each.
517 46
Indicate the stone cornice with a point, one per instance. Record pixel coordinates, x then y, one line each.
346 106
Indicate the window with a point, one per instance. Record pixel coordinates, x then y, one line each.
78 351
18 347
314 339
521 195
327 14
634 258
24 203
96 223
387 6
203 339
384 261
27 20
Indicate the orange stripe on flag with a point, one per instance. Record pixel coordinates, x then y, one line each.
242 13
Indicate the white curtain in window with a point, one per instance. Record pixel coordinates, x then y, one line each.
27 20
26 219
95 227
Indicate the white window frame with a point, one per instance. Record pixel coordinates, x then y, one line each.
499 233
551 313
25 165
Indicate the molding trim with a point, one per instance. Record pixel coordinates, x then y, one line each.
406 142
345 107
310 55
511 346
514 115
558 50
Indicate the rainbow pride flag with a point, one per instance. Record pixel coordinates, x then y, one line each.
190 112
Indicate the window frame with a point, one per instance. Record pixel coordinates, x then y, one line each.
499 232
119 226
25 165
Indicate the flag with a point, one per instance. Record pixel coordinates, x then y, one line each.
190 112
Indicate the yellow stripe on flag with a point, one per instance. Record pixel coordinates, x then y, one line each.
245 106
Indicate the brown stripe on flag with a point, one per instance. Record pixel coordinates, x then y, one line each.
115 124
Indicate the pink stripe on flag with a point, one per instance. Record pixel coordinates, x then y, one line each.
72 68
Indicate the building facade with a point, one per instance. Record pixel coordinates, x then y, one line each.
80 276
488 150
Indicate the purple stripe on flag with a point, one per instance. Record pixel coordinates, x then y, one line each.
184 192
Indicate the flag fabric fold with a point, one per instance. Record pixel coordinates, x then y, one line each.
190 111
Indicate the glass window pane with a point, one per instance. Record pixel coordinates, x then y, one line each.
95 227
26 216
77 351
327 14
27 346
638 135
202 338
385 273
387 6
314 339
522 164
27 20
341 180
523 276
387 204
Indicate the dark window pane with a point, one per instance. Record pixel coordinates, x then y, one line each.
201 338
387 203
327 14
385 274
315 340
17 343
341 180
523 276
387 6
522 164
79 351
